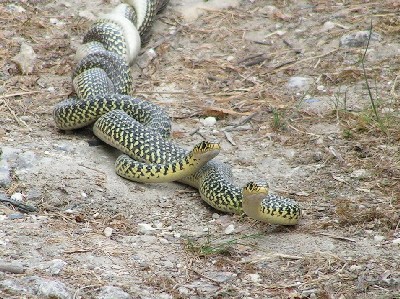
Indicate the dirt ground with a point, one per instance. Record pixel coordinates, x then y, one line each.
328 139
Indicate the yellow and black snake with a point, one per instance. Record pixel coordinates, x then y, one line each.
140 129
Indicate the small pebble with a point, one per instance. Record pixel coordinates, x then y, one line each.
229 229
254 277
215 216
309 293
15 8
208 121
164 241
86 15
56 266
56 22
355 268
379 238
108 231
359 174
358 39
164 296
145 228
183 290
5 174
300 83
318 156
221 277
53 289
396 241
17 196
25 59
111 292
158 225
169 264
146 58
16 216
328 25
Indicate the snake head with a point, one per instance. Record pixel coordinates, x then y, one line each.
206 150
260 205
256 188
206 146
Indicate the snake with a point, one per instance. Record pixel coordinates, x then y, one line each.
141 129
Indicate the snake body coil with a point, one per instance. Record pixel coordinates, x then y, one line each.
140 129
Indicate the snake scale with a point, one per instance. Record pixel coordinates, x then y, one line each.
141 129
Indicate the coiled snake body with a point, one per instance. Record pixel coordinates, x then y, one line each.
140 129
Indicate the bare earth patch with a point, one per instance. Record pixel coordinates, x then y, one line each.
305 95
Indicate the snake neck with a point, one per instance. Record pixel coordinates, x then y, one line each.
251 205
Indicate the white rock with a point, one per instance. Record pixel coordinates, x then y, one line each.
56 22
108 231
183 290
109 292
56 266
215 216
53 289
17 196
358 39
328 25
164 296
164 241
146 58
15 8
355 268
387 110
396 241
25 59
221 276
229 229
359 173
145 228
254 277
87 15
168 264
208 121
300 83
379 238
158 225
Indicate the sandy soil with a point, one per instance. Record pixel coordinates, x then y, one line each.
321 143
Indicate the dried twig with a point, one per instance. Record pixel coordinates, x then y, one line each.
274 255
242 122
341 238
22 207
22 93
17 119
294 62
